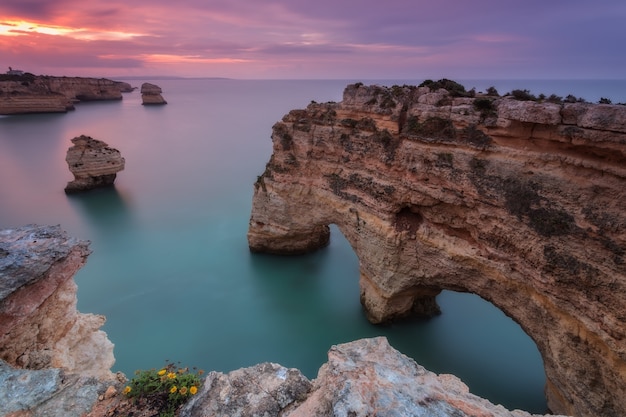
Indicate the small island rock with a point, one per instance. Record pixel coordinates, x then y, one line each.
93 163
151 94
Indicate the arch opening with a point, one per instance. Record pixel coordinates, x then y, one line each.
472 338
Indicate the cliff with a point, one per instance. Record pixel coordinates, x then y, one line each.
520 202
93 163
53 359
44 94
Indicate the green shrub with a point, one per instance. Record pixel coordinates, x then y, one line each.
166 389
491 91
455 89
523 95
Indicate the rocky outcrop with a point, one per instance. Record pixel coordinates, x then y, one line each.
51 356
44 94
522 203
363 378
39 325
93 163
151 94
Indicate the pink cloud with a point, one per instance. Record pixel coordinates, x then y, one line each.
304 39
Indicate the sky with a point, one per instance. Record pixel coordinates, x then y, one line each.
316 39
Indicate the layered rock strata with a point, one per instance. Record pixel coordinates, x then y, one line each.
520 202
44 94
93 163
151 94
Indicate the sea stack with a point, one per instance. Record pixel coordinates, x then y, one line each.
93 163
151 94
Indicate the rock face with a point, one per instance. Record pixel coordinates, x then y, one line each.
93 163
522 203
151 94
39 325
362 378
53 359
42 94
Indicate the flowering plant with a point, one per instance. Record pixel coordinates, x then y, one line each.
164 389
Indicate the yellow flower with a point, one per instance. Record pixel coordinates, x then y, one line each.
183 391
162 372
127 390
193 390
173 389
171 375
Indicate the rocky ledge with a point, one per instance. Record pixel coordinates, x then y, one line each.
55 361
93 163
29 93
520 202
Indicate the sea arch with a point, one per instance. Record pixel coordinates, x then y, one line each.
523 205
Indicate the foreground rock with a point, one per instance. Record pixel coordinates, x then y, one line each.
53 360
520 202
362 378
151 94
43 94
93 163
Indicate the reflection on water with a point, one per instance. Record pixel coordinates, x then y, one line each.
106 210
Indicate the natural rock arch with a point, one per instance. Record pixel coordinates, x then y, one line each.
521 203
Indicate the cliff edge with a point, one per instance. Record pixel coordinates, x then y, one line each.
520 202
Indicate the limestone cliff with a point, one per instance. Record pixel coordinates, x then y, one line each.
151 94
53 360
520 202
44 94
39 325
93 163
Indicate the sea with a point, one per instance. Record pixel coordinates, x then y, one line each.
170 266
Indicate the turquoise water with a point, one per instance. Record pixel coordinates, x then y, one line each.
170 267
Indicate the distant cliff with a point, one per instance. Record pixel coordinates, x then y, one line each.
520 202
20 94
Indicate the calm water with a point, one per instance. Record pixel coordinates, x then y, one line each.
170 267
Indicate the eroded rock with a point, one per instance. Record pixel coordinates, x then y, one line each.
93 163
362 378
54 360
151 94
522 203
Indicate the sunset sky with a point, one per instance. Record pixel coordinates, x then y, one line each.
297 39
